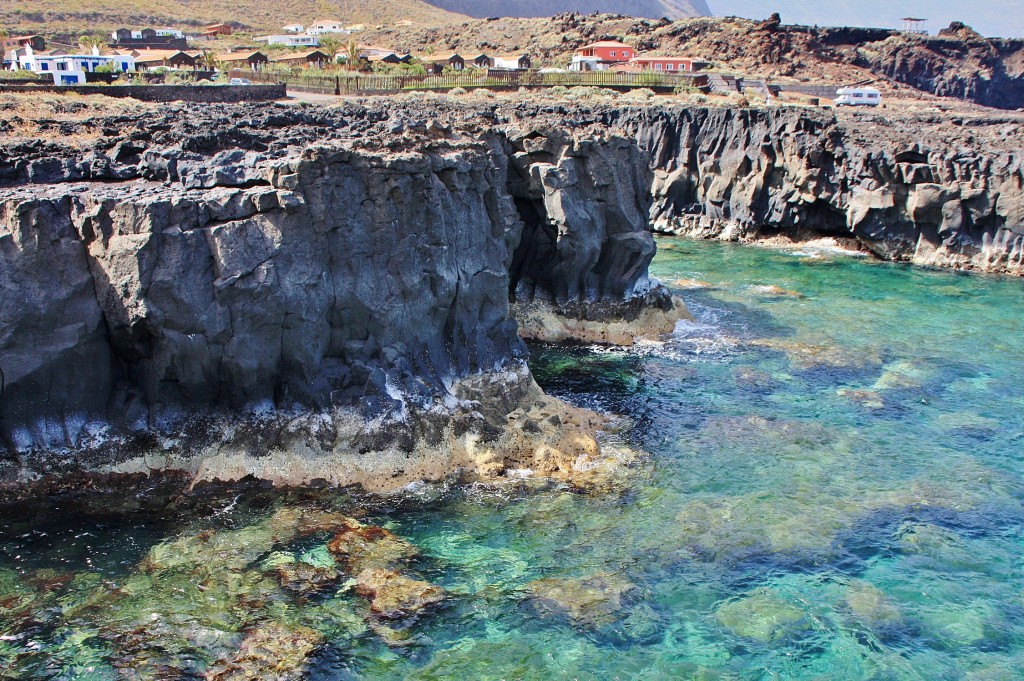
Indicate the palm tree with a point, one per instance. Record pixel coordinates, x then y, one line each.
332 47
209 60
352 56
91 42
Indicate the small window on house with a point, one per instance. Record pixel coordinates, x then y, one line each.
657 67
670 67
613 53
44 66
625 53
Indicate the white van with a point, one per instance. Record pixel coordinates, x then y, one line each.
858 96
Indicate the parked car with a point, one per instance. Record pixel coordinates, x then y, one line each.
858 96
240 81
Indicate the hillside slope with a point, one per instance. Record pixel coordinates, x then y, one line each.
959 63
59 17
655 9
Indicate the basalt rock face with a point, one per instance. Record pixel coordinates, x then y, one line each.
282 295
915 190
580 271
298 293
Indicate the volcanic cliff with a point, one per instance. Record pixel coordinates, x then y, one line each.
339 293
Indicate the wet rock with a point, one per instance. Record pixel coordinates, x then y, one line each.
775 291
271 650
690 284
357 547
541 321
763 617
395 596
305 579
293 521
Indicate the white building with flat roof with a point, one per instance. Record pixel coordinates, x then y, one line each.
68 69
326 26
293 40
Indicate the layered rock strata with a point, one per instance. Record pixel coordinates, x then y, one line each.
338 293
931 190
304 295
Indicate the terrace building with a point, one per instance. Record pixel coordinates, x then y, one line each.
324 26
70 69
291 40
148 38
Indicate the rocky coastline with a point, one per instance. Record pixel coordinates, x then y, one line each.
338 294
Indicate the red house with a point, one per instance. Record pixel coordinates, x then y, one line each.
655 63
214 30
608 51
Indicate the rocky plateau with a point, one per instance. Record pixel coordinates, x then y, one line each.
340 294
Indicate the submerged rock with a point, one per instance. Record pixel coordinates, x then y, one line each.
357 547
808 356
305 579
775 291
870 606
395 596
866 398
751 378
375 560
592 601
763 617
271 650
690 284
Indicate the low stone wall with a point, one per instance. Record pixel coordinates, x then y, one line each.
166 93
822 91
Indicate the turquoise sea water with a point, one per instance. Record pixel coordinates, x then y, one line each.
831 487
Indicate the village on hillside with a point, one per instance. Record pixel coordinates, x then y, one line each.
332 57
323 45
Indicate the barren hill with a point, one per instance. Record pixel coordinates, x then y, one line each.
673 9
61 17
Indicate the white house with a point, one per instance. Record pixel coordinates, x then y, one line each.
69 69
326 26
294 28
293 40
169 33
579 63
512 62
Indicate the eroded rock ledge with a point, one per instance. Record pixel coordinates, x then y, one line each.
339 293
302 295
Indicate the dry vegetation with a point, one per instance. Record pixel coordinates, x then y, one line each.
75 17
67 117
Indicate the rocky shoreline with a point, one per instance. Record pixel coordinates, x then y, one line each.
337 294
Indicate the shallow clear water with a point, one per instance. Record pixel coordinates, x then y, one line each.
832 489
